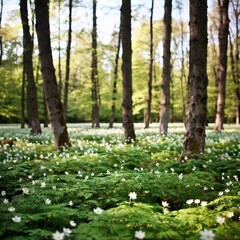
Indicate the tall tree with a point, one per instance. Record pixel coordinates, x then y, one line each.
150 72
115 78
1 47
236 80
94 75
234 56
28 70
45 113
222 62
183 72
65 102
166 75
194 142
127 112
23 98
59 48
53 101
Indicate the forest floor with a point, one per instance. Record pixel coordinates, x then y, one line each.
102 189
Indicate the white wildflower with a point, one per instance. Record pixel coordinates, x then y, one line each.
207 235
189 201
48 201
72 223
220 220
25 190
43 184
58 236
11 209
236 177
98 210
197 201
140 234
165 204
132 196
3 193
180 176
67 231
16 219
204 203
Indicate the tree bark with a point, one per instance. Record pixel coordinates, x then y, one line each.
45 113
94 75
222 63
127 112
194 142
150 72
166 75
65 102
28 70
53 101
115 77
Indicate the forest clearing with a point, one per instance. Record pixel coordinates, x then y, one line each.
101 188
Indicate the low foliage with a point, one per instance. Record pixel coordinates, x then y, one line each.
83 192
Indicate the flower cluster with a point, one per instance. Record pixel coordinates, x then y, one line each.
196 201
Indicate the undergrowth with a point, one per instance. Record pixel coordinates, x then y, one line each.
84 192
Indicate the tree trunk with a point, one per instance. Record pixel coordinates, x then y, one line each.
166 75
194 142
234 52
94 75
213 63
222 63
115 77
236 80
1 47
53 101
45 113
127 113
150 72
65 102
23 99
28 69
59 50
183 73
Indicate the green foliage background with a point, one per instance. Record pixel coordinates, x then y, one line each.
79 106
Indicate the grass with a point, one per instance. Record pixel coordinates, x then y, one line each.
82 192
